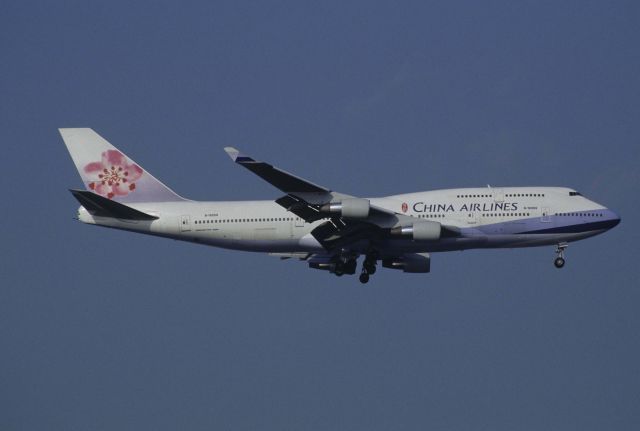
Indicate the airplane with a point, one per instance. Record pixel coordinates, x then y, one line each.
327 229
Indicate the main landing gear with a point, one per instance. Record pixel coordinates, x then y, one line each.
559 261
347 266
364 277
368 268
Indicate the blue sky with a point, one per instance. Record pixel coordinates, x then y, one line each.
103 329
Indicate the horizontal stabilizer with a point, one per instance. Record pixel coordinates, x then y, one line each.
102 207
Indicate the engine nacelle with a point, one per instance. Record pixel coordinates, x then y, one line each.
333 264
420 231
327 263
410 262
349 208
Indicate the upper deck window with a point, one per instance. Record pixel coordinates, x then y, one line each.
574 194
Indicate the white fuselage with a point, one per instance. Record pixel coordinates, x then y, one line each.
485 217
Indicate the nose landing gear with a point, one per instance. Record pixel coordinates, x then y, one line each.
559 261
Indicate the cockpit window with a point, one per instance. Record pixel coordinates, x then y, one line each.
574 194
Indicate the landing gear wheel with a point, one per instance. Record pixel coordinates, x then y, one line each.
364 278
559 262
369 264
350 266
371 269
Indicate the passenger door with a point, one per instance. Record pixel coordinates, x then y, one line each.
185 223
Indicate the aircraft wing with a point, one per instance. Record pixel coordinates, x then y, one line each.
303 198
312 202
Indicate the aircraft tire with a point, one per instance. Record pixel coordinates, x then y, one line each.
371 269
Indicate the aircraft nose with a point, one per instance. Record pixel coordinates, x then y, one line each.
613 219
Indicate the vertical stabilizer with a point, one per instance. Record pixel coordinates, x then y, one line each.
108 172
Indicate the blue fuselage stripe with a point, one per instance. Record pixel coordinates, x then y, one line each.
576 228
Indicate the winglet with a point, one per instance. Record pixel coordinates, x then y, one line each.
237 156
232 152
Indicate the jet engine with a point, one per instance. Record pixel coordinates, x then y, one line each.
410 262
348 208
333 264
420 231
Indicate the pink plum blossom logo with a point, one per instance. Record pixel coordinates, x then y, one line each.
405 207
113 175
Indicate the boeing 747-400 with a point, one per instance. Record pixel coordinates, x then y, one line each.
327 229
